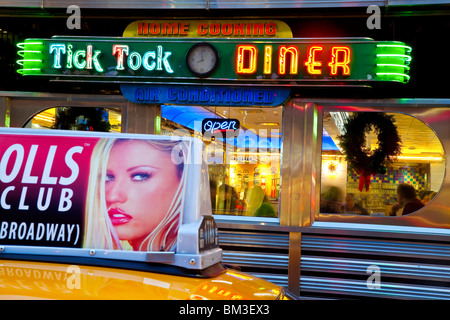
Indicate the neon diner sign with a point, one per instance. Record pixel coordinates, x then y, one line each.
247 58
240 61
88 59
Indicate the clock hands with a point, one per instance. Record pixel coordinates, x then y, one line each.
202 59
201 54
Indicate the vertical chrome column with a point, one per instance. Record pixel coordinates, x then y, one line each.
300 173
140 118
5 110
300 161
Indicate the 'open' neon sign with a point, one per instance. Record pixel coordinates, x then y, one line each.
213 125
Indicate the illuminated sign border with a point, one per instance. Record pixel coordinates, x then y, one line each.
243 61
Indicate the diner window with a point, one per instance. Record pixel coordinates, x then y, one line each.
244 165
77 118
416 170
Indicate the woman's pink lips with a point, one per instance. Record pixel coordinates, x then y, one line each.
118 217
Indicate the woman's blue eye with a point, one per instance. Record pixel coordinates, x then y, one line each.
109 178
140 176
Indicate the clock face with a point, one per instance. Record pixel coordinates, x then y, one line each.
202 59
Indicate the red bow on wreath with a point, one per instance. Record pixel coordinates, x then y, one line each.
364 181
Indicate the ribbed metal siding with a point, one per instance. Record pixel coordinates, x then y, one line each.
376 247
337 287
336 267
389 269
264 255
255 239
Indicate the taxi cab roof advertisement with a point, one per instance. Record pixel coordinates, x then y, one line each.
120 194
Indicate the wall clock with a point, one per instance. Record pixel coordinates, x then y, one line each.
202 59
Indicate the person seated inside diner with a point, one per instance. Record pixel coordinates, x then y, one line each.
428 197
258 205
351 207
331 200
406 200
227 200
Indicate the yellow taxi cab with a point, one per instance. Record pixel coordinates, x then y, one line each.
111 216
44 280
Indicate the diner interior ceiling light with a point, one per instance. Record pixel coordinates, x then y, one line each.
44 118
340 118
268 123
420 158
250 110
257 153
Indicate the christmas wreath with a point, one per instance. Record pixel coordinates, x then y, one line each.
368 162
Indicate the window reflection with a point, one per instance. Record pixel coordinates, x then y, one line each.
77 118
408 184
244 166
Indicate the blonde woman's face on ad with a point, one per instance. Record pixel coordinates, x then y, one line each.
141 182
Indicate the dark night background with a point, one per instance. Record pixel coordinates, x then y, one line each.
425 28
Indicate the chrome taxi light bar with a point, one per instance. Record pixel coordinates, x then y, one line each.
201 237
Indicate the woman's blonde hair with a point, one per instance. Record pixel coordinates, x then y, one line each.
99 231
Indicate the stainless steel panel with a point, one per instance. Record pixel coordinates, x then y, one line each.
386 248
299 163
253 259
212 4
337 266
278 279
109 4
232 4
22 3
244 239
295 255
415 2
272 263
391 269
416 265
359 288
5 111
140 118
290 181
159 257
